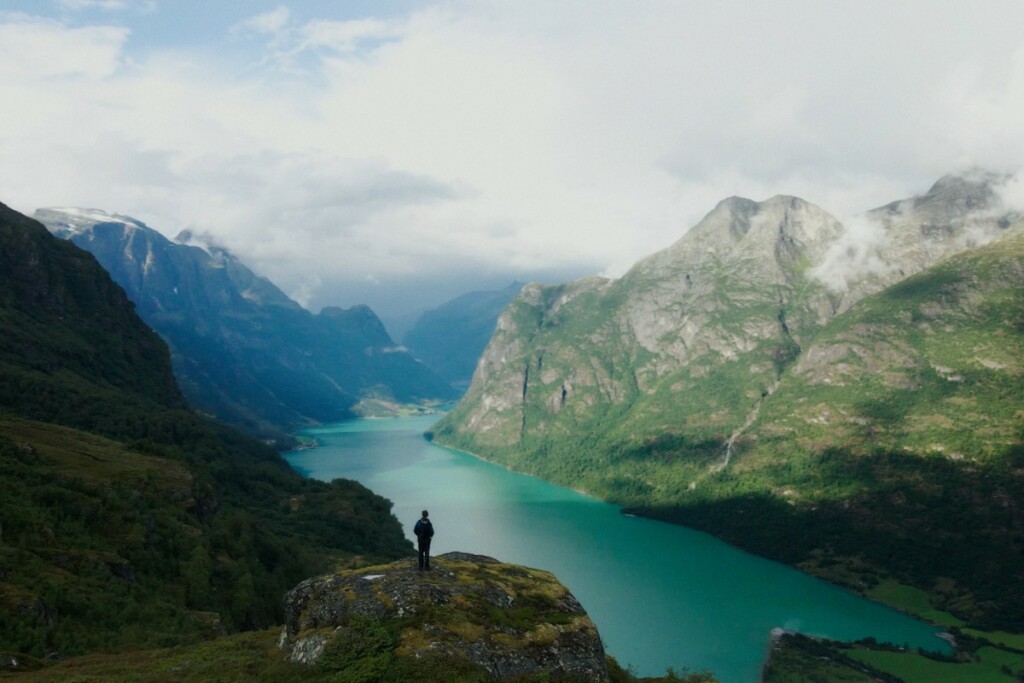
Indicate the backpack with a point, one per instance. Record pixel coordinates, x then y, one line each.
423 529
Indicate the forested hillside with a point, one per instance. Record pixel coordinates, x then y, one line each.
128 520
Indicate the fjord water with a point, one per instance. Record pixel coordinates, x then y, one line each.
661 595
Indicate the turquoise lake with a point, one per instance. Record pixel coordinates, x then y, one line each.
661 595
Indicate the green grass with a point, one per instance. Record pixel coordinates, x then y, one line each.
108 545
1014 641
240 658
799 659
914 668
912 600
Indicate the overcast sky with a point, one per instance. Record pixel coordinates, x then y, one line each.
399 153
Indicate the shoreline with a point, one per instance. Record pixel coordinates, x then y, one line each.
941 633
508 468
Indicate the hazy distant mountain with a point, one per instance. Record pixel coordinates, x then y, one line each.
814 392
241 348
451 337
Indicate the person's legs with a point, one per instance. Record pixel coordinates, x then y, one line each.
422 553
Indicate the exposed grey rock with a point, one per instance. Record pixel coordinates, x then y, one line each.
506 619
752 282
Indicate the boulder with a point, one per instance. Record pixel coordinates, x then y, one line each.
469 613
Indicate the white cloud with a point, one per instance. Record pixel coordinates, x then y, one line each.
1011 195
347 36
107 5
492 136
857 254
267 23
92 4
34 50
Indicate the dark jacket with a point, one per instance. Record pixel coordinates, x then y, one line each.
424 530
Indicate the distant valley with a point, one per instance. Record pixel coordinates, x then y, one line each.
242 350
451 337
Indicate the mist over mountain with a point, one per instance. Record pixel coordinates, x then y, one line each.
241 349
889 243
819 394
452 337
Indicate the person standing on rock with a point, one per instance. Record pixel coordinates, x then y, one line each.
424 531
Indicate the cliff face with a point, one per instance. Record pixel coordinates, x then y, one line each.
469 615
737 285
749 286
774 370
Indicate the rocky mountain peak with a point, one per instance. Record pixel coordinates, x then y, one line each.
951 199
970 190
748 240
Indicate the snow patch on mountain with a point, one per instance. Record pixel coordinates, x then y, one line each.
66 222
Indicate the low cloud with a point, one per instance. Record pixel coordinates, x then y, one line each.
1010 195
856 255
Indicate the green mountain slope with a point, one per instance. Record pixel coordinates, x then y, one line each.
864 433
126 519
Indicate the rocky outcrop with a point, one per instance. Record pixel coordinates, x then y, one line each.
504 620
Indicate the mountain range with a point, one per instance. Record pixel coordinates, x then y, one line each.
845 398
241 349
126 519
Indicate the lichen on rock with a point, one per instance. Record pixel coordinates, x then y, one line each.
478 614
